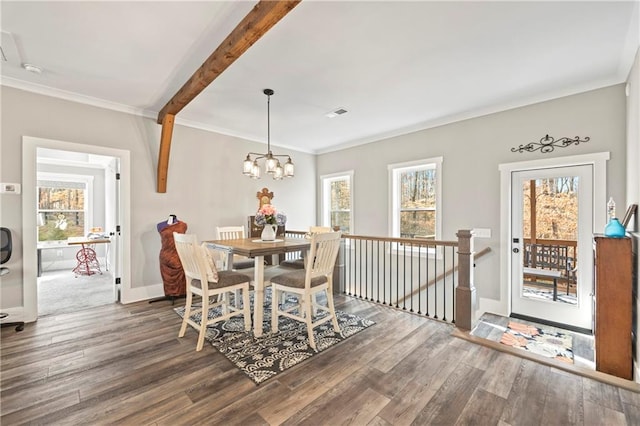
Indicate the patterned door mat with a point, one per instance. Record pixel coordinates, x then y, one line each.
264 357
536 340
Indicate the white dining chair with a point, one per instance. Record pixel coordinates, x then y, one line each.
306 284
204 280
298 263
233 233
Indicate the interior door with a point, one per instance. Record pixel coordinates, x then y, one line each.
112 221
551 245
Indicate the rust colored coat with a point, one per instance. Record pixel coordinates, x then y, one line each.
170 266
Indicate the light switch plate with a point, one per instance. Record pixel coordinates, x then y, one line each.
10 188
482 232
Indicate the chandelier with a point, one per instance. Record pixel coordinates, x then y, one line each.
272 164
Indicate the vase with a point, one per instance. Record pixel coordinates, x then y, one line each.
614 229
269 232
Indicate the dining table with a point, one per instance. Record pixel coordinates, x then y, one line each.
257 249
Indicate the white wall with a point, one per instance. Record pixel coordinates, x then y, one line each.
471 151
633 176
205 185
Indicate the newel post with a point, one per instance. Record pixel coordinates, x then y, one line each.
466 303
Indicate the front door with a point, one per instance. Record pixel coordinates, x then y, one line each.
551 238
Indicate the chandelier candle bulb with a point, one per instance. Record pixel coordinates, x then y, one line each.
251 168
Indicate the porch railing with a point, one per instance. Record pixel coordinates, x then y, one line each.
424 276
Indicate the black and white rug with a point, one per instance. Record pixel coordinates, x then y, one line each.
262 358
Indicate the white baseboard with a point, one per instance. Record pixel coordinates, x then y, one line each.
139 294
491 305
15 314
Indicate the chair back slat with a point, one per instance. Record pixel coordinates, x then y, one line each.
319 229
323 254
191 257
230 232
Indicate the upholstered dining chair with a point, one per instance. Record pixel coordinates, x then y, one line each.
315 278
204 280
233 233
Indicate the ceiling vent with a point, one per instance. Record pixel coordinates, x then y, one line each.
336 112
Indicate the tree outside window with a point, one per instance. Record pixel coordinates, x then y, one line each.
337 202
415 199
62 210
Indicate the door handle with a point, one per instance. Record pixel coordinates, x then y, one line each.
516 250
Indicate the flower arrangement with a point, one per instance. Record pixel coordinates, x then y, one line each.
267 215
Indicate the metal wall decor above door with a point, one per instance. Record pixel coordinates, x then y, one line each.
548 144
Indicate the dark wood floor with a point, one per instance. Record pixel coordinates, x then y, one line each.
125 365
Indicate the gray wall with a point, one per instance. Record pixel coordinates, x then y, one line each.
471 151
205 186
201 192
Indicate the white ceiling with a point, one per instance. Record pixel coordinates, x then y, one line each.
394 66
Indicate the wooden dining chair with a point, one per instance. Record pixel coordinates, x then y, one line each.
306 284
204 280
298 262
233 233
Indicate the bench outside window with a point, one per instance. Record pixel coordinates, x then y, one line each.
550 262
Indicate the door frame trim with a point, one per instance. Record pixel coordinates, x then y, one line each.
581 313
30 146
598 160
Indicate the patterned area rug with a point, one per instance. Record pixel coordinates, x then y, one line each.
264 357
538 341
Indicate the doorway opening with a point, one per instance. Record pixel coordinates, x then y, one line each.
549 214
77 201
49 164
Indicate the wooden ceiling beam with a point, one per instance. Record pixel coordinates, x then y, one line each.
163 154
262 17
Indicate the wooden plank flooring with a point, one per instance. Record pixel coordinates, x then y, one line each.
125 365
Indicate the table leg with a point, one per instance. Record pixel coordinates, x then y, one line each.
555 289
258 297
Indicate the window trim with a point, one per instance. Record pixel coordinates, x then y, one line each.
325 203
70 177
394 170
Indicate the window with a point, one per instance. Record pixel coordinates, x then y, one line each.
415 199
64 207
337 201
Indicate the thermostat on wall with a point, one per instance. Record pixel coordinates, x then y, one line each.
9 188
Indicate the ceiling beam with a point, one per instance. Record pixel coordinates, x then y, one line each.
262 17
163 154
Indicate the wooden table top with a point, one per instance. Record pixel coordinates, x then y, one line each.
251 247
82 240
